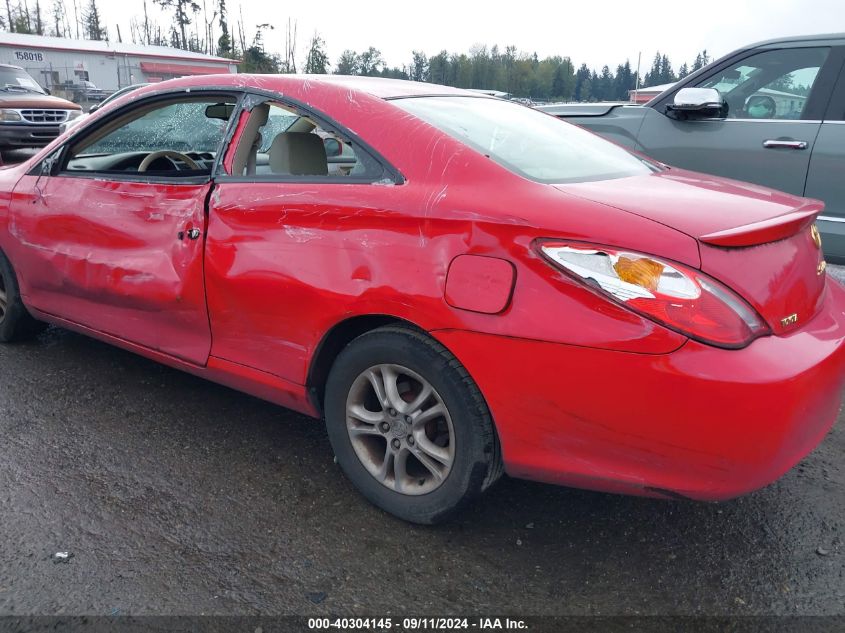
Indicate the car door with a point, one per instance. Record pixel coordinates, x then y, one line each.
109 242
774 100
289 236
825 181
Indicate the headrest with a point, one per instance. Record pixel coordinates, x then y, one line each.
298 154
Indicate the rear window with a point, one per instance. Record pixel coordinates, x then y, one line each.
527 142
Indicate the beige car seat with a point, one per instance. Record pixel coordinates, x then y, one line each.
298 154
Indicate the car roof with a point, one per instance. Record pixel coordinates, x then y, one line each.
389 88
818 37
300 85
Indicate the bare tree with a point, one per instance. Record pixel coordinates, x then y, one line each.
181 10
9 16
76 18
290 48
39 25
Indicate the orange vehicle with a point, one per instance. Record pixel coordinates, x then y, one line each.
29 117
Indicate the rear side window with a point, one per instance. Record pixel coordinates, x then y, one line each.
280 143
532 144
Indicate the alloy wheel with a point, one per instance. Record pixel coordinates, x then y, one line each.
400 429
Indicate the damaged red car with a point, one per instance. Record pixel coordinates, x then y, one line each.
459 285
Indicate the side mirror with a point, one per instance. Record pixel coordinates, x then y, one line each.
698 102
94 108
333 147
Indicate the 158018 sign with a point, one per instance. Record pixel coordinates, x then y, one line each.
29 56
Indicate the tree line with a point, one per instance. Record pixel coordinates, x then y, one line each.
206 26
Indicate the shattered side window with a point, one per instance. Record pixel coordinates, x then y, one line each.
181 127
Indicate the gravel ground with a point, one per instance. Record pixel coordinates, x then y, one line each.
172 495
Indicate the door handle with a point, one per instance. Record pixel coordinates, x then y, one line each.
191 234
778 144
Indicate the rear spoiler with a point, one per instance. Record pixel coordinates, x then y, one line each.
765 231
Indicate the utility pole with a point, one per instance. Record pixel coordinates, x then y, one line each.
637 85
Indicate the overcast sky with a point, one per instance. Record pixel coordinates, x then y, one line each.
597 32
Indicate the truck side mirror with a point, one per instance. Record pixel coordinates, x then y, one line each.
697 103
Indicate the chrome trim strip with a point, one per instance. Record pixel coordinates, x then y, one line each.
814 121
828 218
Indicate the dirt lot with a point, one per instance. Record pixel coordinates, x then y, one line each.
173 495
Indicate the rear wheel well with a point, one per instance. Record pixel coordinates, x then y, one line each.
338 337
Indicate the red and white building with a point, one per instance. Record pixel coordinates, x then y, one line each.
59 63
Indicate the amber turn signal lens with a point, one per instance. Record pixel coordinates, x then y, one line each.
641 272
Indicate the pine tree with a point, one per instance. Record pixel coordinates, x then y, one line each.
624 81
667 75
563 83
438 68
224 43
604 90
701 60
419 67
348 64
91 23
317 62
583 90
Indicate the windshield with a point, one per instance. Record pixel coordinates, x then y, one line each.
17 79
530 143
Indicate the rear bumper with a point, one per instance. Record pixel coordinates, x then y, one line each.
22 135
701 422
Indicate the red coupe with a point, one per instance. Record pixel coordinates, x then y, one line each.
461 286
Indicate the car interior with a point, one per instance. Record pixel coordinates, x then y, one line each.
184 135
276 140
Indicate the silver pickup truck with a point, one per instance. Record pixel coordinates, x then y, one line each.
772 113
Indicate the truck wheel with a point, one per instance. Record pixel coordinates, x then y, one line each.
409 426
16 324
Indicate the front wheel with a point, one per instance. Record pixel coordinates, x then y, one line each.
16 324
409 426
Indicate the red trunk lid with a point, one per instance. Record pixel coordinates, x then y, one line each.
758 241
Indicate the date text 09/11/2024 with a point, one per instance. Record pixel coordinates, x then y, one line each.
413 624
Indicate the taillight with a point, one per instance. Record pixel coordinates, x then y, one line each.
681 298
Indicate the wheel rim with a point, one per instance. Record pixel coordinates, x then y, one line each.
3 299
400 429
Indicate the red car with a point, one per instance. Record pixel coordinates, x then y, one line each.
459 285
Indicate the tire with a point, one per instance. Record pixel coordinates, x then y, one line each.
430 454
16 324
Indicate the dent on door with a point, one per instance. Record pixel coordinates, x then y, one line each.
107 255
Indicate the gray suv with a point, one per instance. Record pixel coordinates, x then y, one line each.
772 113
